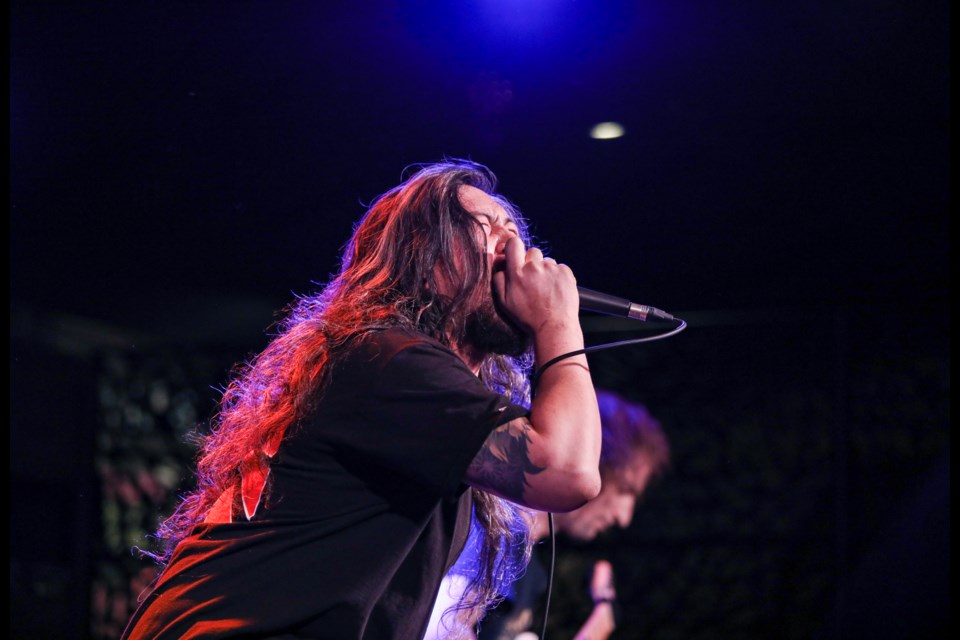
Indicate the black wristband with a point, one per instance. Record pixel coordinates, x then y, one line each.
614 606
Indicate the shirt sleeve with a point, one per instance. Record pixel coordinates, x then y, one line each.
427 415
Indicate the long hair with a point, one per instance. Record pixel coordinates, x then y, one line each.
410 239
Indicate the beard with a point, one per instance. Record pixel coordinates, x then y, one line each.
487 329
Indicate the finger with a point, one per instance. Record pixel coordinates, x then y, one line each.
601 584
499 280
513 252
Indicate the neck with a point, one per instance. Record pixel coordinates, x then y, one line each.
540 528
471 356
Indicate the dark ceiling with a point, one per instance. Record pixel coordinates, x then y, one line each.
183 162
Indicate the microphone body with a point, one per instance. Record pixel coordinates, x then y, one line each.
591 300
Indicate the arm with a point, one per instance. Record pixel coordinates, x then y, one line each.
603 619
549 461
599 625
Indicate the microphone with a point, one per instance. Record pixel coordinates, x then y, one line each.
611 305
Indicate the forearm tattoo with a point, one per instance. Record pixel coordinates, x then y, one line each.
503 462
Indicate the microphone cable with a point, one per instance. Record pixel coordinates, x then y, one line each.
533 386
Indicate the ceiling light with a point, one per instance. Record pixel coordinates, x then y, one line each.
606 131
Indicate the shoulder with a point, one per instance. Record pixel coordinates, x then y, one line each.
385 345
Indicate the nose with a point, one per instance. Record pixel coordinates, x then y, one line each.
625 512
503 235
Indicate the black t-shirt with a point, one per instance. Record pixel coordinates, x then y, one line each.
365 509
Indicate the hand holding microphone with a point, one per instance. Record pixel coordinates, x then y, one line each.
589 300
535 290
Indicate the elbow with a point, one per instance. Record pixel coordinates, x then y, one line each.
581 488
569 482
588 486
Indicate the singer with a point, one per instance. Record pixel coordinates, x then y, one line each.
348 460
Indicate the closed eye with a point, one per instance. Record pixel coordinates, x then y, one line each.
488 222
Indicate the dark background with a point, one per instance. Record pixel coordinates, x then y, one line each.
179 170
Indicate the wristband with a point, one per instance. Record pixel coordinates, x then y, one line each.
614 606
